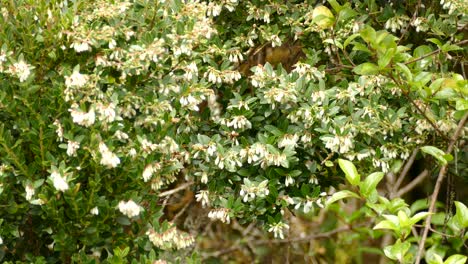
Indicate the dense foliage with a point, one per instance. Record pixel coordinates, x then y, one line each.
128 126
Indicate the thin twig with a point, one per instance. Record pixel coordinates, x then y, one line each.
179 188
463 42
410 186
440 179
306 238
406 94
406 169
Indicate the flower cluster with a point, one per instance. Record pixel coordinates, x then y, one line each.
171 238
250 190
129 208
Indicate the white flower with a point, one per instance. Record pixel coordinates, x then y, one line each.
72 147
132 152
202 196
59 129
80 46
21 69
130 208
94 211
29 192
76 79
107 112
289 181
1 240
190 71
108 158
204 178
277 229
121 135
148 172
239 122
60 184
82 118
221 214
288 140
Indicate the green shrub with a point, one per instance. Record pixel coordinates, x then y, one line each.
110 108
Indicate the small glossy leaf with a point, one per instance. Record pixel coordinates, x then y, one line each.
456 259
350 171
366 68
370 183
340 195
436 153
461 215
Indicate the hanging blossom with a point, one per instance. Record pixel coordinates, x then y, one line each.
76 79
150 170
21 69
72 147
82 118
221 214
107 112
288 140
251 190
59 130
108 158
202 196
171 238
29 192
60 183
94 211
278 229
129 208
339 143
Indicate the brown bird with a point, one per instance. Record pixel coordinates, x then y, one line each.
287 55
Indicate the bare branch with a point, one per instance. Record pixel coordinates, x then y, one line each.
463 42
179 188
405 170
440 179
410 186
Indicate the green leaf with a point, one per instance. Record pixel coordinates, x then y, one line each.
370 183
385 59
340 195
349 39
435 255
398 250
350 171
456 259
461 215
436 153
417 217
123 220
366 68
405 70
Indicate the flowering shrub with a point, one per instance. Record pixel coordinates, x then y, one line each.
111 109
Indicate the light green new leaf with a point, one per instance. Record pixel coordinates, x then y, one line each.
385 224
417 217
350 171
366 68
436 153
456 259
461 216
370 183
406 71
398 250
340 195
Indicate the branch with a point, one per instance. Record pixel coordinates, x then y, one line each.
437 186
306 238
463 42
405 170
179 188
410 186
